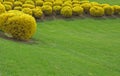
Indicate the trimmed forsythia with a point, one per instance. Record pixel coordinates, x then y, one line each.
66 11
17 24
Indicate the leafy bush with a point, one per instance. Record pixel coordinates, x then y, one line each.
86 7
27 11
57 9
8 7
19 25
18 8
21 1
29 2
77 10
109 10
38 2
2 8
47 10
9 1
96 11
37 13
66 11
17 3
116 9
57 3
28 6
47 3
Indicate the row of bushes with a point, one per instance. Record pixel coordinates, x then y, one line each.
66 8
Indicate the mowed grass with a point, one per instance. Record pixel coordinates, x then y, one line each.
65 47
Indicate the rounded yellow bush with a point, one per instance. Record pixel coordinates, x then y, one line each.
57 3
96 11
116 9
66 11
94 3
28 6
2 8
75 2
17 3
1 1
57 9
38 2
77 10
67 4
74 5
102 5
49 0
47 3
37 13
8 7
8 3
21 1
29 2
18 8
47 10
19 25
86 7
27 11
109 10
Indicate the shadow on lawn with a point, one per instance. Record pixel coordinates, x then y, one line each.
31 41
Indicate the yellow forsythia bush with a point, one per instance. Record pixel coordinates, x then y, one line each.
21 1
37 13
9 1
28 6
49 0
116 9
19 25
8 7
17 3
57 3
29 2
86 7
47 3
38 2
67 4
66 11
18 8
96 11
57 9
109 10
77 10
27 11
2 8
47 10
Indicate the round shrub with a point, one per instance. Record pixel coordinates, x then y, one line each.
18 8
116 9
67 4
75 2
27 11
19 25
109 10
47 3
77 10
95 4
8 3
37 13
38 2
66 11
57 3
17 3
86 7
49 0
103 5
1 1
47 10
28 6
8 7
29 2
57 9
96 11
2 8
74 5
21 1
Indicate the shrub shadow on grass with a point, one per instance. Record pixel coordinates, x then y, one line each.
31 41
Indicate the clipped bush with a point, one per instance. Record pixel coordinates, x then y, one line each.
75 2
1 1
8 7
66 11
67 4
29 2
103 5
18 8
86 7
57 3
27 11
17 3
74 5
38 2
2 8
9 1
21 1
77 10
96 11
109 10
19 25
28 6
37 13
47 10
57 9
116 9
47 3
49 0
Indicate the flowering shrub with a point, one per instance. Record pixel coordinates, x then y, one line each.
19 25
66 11
96 11
109 10
77 10
37 13
27 11
47 10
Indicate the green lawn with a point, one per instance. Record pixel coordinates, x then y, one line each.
65 47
